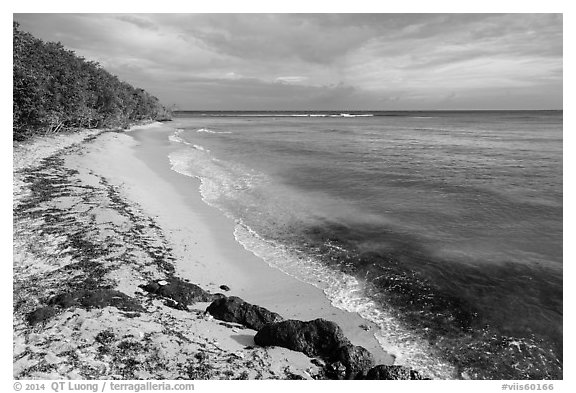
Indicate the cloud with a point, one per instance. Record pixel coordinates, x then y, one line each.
291 79
346 60
277 37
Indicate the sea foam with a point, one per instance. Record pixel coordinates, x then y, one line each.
347 293
208 131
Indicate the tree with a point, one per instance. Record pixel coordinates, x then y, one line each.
55 90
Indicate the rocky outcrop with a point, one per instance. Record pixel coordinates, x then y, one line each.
314 338
321 338
180 294
234 309
393 373
357 360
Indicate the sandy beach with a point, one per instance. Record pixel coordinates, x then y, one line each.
105 213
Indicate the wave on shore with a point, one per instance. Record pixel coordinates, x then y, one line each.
221 179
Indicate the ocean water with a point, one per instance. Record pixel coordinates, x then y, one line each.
444 228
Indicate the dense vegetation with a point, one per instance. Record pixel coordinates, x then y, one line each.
56 90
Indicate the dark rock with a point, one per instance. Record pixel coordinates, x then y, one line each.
41 315
314 338
319 338
394 372
234 309
98 298
224 287
335 370
356 359
181 293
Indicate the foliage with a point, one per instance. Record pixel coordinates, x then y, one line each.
55 90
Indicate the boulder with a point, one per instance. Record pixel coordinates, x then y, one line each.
181 293
234 309
356 359
319 338
314 338
394 372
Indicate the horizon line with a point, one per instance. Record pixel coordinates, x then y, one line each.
364 110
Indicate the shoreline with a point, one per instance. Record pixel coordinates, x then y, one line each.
111 197
223 260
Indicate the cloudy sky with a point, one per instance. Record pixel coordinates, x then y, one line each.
323 61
